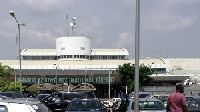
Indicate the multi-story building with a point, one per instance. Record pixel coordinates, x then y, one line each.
74 61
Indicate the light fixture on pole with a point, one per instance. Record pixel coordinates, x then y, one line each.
23 24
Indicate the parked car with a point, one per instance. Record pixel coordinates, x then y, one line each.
58 101
12 94
108 103
12 105
147 104
141 95
4 97
41 96
188 99
161 97
83 105
194 105
115 99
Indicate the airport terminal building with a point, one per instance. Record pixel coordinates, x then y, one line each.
74 62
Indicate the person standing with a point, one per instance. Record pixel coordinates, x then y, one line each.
176 101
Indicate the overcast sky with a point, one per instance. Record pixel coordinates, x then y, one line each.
169 28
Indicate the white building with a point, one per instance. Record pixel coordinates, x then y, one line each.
74 60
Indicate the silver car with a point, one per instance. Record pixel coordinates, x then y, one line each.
147 105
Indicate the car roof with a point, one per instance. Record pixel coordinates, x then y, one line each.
161 95
43 94
10 92
146 99
75 91
85 99
17 101
142 92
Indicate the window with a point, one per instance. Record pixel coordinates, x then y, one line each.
3 108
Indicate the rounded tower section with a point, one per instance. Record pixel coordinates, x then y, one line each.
73 48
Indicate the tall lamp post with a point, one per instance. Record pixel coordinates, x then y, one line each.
56 73
20 72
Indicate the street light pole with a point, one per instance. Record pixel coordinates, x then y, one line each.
20 72
56 73
137 46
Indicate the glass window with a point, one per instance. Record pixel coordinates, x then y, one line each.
193 103
40 108
3 108
84 105
149 105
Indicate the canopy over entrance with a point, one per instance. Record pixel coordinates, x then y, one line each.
84 86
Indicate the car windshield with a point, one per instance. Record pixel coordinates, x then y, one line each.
84 106
40 108
149 105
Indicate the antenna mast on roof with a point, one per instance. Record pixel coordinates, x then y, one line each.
73 24
67 25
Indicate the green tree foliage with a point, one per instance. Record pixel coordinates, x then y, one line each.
5 71
127 75
9 86
5 83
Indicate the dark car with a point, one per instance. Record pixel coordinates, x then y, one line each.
89 105
41 96
194 105
12 94
58 101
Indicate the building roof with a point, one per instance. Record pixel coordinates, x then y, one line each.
52 52
81 64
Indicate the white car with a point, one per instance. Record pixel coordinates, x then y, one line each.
10 105
147 105
115 100
108 103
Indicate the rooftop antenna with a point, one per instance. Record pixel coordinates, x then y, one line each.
67 25
73 24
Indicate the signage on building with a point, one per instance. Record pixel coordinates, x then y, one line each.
65 80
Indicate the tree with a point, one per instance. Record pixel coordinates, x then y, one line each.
127 75
5 83
5 71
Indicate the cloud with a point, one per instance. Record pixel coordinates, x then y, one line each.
165 16
124 40
175 2
44 5
41 36
168 22
129 2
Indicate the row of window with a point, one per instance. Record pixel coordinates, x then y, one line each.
71 57
39 57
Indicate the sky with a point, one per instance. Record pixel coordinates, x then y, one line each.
168 28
